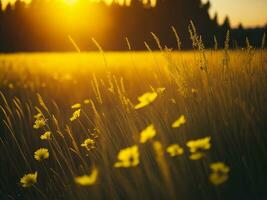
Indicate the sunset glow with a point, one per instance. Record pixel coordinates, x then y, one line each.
151 3
240 11
70 2
222 7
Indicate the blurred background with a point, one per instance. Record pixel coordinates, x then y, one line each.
44 25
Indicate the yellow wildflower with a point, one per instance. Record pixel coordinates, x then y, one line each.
219 173
75 115
28 179
89 144
148 133
199 144
175 150
76 106
180 121
38 116
196 156
41 154
86 180
39 123
86 101
46 136
128 157
196 147
146 99
219 167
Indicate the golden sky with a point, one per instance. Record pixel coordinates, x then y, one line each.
249 12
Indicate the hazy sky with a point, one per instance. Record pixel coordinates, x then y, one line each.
249 12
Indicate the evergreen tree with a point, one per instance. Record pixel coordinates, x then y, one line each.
226 24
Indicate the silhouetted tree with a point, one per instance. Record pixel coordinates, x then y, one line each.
240 27
226 24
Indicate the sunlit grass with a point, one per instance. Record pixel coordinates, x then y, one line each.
139 125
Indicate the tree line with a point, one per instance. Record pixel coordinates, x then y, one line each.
46 25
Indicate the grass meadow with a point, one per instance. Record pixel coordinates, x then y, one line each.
134 125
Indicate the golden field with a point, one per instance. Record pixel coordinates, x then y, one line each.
135 125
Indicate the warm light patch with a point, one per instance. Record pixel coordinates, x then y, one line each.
70 2
150 3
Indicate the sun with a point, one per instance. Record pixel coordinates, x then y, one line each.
70 2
